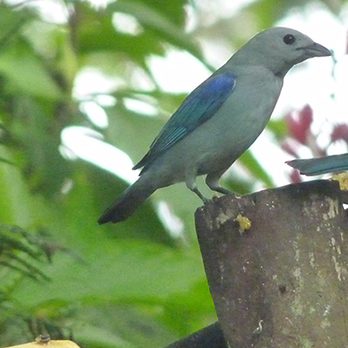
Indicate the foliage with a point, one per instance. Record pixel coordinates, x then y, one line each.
136 284
301 135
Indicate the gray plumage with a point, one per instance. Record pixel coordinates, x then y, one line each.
219 120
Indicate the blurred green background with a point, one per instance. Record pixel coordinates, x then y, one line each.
136 284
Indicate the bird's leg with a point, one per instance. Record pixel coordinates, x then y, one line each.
191 184
199 194
212 180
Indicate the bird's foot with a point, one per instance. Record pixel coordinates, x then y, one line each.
222 190
204 199
228 193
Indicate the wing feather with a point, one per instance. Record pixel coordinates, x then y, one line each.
196 109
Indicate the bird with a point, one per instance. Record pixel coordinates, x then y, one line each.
321 165
218 120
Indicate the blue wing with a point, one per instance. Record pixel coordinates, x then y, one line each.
321 165
196 109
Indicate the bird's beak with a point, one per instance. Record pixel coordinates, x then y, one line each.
316 50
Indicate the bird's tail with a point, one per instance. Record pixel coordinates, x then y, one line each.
322 165
129 201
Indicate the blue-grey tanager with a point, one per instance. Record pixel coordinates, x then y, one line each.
219 120
321 165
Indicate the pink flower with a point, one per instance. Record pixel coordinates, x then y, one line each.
340 132
295 177
299 124
288 147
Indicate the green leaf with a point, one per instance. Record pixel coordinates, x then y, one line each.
99 35
26 72
250 162
238 185
112 270
127 125
87 201
278 128
174 11
266 13
132 326
4 160
37 146
153 19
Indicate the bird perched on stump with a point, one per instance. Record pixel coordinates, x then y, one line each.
219 120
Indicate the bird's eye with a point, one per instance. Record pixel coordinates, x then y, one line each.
289 39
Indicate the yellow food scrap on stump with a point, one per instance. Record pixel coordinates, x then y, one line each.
342 179
244 223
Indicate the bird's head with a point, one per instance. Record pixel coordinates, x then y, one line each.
279 49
